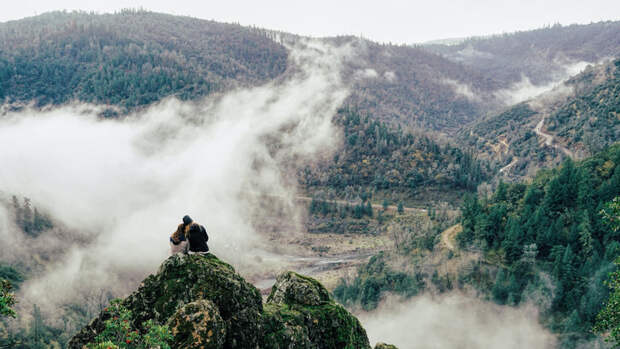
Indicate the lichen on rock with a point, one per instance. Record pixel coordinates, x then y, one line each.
198 325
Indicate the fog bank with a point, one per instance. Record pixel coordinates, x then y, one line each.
455 321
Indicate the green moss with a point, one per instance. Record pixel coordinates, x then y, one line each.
189 292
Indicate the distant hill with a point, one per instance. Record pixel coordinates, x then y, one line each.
134 58
129 59
412 86
541 55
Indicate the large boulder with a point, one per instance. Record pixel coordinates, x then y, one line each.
299 313
183 279
292 288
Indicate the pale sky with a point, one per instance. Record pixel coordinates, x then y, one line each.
380 20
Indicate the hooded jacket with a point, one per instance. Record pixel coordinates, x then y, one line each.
197 237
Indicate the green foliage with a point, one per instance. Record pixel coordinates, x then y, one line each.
611 214
324 207
608 320
120 333
373 280
29 218
7 299
552 226
380 157
11 274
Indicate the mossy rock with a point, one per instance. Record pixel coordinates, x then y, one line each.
206 304
299 313
385 346
198 325
183 279
291 288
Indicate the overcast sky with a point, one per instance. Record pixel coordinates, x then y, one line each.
381 20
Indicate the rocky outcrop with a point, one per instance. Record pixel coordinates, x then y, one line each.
292 288
385 346
206 304
299 313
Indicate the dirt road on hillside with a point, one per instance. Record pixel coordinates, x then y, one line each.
448 237
549 139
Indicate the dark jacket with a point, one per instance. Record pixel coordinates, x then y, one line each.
197 237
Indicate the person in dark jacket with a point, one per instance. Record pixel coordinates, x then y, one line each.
197 237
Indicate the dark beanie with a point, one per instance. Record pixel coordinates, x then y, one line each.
187 220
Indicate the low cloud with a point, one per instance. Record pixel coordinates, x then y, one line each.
367 73
461 89
389 76
455 321
525 90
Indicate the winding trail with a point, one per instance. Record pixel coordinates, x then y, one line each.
448 236
507 167
549 139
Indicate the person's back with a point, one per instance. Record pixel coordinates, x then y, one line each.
197 237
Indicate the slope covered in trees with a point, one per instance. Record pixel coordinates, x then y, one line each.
582 116
541 55
379 157
134 58
547 243
129 59
549 237
414 87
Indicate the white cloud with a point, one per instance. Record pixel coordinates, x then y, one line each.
455 321
461 89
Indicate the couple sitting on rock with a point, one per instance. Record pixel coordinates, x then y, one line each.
190 237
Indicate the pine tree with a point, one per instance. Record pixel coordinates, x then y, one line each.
585 235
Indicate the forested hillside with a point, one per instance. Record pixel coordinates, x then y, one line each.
379 157
414 87
134 58
581 117
129 59
549 237
546 243
541 55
